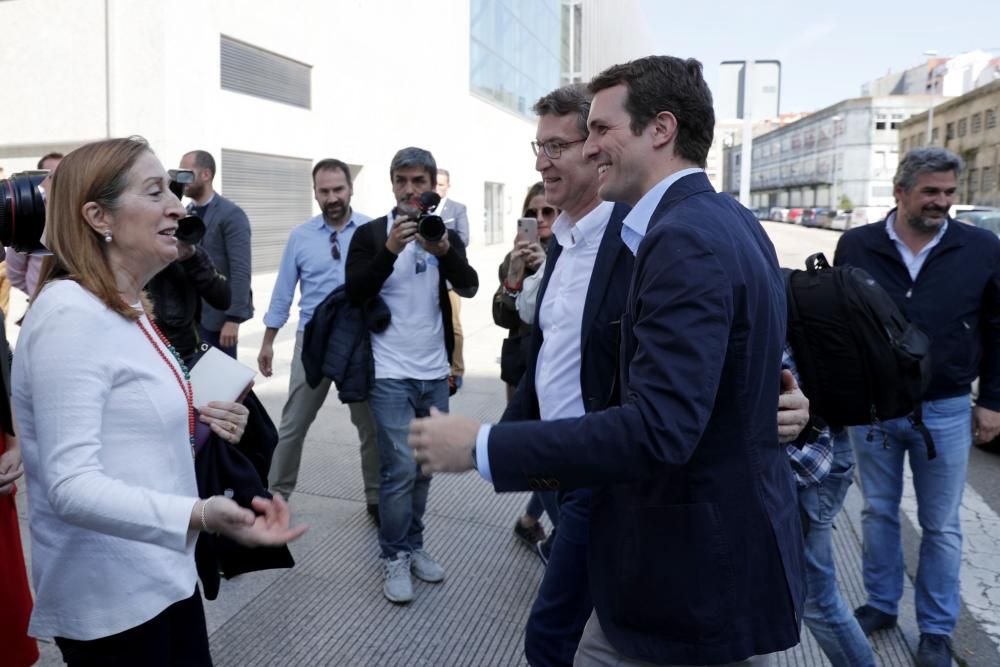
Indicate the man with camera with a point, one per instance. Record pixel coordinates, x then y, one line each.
407 258
314 259
227 240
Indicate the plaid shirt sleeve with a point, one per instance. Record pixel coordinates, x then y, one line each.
811 463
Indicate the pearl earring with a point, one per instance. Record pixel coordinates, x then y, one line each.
107 237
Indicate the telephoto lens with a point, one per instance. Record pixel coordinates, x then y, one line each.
22 211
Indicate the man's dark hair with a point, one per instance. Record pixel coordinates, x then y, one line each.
574 98
664 83
49 156
332 164
925 160
414 157
204 160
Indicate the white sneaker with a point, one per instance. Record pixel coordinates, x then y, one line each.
398 585
425 567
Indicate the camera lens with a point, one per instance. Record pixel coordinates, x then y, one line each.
431 227
22 211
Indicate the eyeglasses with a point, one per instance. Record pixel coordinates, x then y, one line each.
335 248
546 211
553 149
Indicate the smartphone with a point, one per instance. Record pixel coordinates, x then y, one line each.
527 229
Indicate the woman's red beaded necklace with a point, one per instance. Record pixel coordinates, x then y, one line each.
184 384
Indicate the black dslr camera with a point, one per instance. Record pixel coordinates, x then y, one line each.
190 228
429 225
22 211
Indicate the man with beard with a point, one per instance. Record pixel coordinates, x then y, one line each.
314 258
227 240
389 258
945 276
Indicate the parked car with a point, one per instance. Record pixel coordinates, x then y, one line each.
971 215
824 217
778 214
808 217
990 221
793 215
842 221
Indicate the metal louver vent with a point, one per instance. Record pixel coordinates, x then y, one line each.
253 71
275 192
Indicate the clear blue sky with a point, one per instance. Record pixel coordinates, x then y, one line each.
827 50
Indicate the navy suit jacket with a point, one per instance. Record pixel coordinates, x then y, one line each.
599 331
695 551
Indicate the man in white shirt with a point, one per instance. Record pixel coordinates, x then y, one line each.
389 259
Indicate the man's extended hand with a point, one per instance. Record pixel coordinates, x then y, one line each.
443 442
793 408
985 424
229 336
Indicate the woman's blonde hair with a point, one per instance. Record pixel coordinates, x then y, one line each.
97 172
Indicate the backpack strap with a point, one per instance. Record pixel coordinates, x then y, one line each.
816 262
916 418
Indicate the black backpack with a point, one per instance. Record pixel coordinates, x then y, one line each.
860 361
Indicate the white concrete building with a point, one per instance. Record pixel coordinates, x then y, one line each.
269 89
848 149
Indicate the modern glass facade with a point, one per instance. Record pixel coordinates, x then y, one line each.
514 54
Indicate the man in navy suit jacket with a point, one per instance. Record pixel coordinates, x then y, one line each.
572 351
695 554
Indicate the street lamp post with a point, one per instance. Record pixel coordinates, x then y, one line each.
930 111
834 204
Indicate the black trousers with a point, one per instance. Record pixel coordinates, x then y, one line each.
177 637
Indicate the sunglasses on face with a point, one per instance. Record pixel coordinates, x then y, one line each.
335 246
545 211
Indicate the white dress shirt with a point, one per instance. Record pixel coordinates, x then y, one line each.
412 346
635 224
557 371
111 484
913 262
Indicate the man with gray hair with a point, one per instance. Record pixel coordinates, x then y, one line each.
388 258
945 276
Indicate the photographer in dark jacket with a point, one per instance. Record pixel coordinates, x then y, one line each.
177 292
390 258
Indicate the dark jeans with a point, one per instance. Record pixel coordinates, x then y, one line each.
212 338
563 604
176 637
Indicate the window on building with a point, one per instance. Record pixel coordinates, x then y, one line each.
572 40
949 131
991 119
962 126
973 180
880 125
493 212
514 51
934 135
253 71
977 123
988 182
893 125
